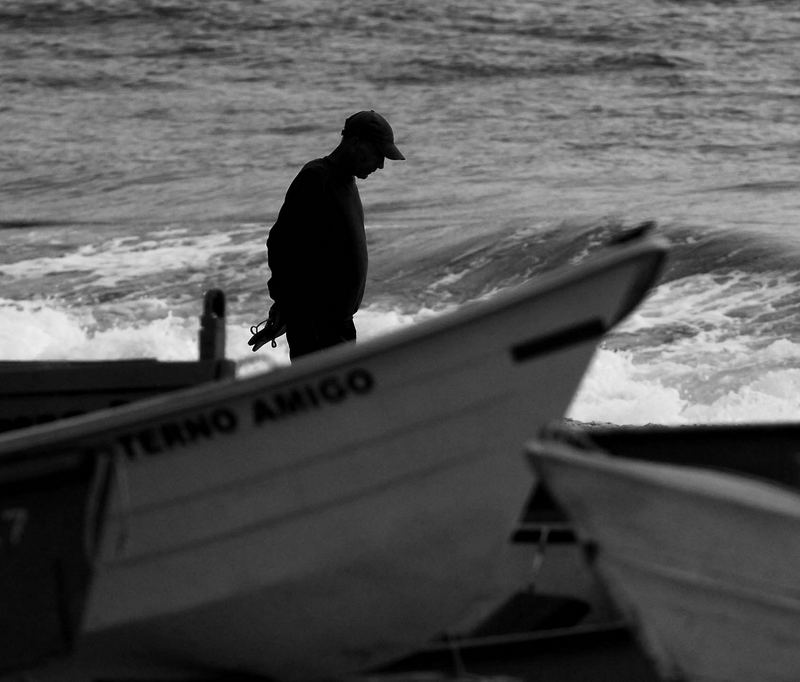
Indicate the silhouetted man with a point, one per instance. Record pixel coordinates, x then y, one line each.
317 248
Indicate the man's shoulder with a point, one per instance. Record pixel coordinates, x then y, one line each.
321 164
312 175
316 168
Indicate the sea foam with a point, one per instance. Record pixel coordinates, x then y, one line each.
688 380
45 331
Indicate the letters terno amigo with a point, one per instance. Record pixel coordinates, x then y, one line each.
223 420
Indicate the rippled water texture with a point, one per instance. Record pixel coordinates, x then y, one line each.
148 145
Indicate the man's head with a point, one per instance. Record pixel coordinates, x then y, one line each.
372 140
371 126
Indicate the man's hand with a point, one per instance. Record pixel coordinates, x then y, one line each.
274 326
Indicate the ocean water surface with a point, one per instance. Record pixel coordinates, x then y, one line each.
148 145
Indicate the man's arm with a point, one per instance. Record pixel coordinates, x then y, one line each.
295 243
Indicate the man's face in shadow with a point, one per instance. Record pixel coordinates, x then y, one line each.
367 158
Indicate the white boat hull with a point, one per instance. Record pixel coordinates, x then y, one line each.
706 563
328 517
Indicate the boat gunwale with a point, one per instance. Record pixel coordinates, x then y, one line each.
696 479
698 581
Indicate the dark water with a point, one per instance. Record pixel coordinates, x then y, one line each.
148 144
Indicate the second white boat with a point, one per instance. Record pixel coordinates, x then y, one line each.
705 562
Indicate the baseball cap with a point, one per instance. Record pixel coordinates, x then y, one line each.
374 127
